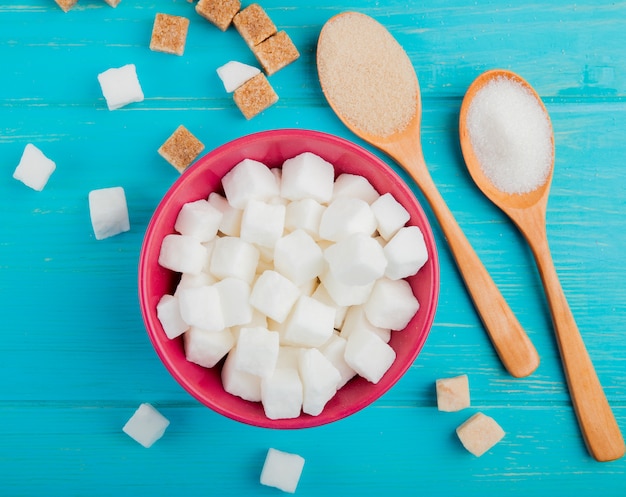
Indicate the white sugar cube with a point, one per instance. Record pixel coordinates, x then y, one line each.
282 470
234 74
198 219
207 348
257 351
34 168
356 320
239 383
307 175
262 223
298 257
234 257
249 179
343 294
334 350
146 425
368 355
406 253
304 214
201 307
391 304
235 301
453 393
354 186
188 280
320 380
390 215
274 295
356 260
281 394
183 254
310 323
120 86
168 312
230 224
108 211
479 433
324 297
346 216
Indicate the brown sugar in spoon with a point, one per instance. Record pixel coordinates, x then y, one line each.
371 85
528 211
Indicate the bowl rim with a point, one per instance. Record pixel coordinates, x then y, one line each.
302 421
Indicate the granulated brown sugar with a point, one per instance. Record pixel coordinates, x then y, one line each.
169 34
254 96
254 25
181 149
366 74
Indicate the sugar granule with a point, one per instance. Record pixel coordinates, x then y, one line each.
511 135
366 74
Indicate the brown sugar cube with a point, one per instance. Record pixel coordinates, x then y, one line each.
479 433
276 52
254 96
254 25
219 12
169 34
113 3
181 149
66 5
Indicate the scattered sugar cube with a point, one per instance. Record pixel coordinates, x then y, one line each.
238 382
198 219
254 96
201 307
276 52
345 216
113 3
183 254
453 393
304 214
181 148
169 34
343 294
406 253
249 179
168 312
298 257
274 295
257 351
218 12
356 260
108 211
66 5
479 433
207 348
307 175
368 355
281 394
231 217
146 425
235 301
282 470
34 168
334 350
235 258
310 323
356 320
391 304
390 215
320 380
355 186
262 223
234 74
253 24
120 86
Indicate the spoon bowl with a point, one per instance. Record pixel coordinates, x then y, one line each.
528 211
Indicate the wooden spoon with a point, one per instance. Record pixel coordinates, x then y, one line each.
513 346
528 211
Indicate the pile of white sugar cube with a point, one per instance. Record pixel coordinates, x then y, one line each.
295 277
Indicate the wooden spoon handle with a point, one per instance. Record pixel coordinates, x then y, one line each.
513 346
597 422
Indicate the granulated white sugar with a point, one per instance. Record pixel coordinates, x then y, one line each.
511 135
366 75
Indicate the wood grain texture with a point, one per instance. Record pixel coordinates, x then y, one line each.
75 361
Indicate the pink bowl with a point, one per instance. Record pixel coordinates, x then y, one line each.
204 177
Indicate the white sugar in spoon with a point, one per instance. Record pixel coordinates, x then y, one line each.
371 85
528 211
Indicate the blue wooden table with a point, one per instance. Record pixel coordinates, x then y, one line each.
75 361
